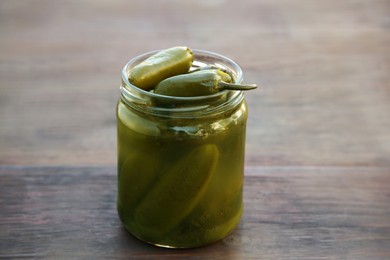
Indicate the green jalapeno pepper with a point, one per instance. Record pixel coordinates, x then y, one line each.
177 192
162 65
198 83
224 74
137 174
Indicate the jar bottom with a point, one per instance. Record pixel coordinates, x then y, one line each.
222 230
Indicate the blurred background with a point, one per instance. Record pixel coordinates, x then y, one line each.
322 66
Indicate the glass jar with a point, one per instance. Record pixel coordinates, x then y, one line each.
181 161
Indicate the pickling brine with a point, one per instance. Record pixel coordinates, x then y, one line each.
181 161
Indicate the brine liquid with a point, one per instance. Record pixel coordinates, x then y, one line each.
180 181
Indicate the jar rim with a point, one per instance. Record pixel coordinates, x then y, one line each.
161 104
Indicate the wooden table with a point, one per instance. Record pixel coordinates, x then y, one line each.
317 175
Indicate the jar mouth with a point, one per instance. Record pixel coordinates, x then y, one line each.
158 104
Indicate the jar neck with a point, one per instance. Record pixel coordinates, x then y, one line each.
183 107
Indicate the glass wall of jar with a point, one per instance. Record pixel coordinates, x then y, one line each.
181 161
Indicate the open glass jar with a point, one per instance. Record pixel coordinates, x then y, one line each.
181 161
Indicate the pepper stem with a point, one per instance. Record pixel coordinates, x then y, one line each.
231 86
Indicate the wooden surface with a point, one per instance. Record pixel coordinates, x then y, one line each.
290 213
318 138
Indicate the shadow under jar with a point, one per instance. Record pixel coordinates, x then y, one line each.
181 161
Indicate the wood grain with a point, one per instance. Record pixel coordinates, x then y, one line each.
323 67
318 135
290 213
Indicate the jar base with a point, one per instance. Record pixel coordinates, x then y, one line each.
229 226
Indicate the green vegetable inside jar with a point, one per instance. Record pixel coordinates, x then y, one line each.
181 156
